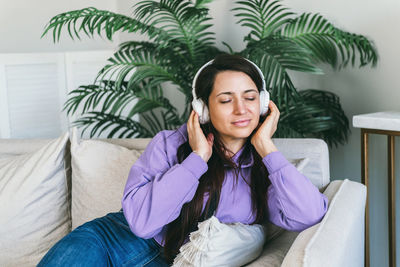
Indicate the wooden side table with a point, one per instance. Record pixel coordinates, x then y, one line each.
386 123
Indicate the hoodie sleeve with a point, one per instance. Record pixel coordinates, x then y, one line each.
156 188
294 202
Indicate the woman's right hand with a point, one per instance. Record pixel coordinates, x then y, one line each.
200 145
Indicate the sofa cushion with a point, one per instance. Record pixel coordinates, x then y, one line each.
316 150
274 251
288 249
297 250
313 246
208 245
33 203
341 223
99 174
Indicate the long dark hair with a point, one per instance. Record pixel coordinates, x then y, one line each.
211 182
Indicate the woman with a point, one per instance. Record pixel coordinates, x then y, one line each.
228 166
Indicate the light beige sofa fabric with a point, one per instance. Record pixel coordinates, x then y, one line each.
343 223
99 173
99 186
315 150
34 203
276 250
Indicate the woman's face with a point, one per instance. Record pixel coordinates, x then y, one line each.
234 105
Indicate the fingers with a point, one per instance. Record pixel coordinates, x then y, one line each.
193 124
274 110
269 126
190 122
275 116
199 143
196 122
273 107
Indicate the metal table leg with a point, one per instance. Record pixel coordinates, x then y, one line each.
364 180
391 192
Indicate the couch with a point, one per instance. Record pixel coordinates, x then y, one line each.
49 187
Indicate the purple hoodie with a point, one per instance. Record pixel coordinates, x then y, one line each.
158 186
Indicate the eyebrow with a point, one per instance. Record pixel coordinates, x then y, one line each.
230 93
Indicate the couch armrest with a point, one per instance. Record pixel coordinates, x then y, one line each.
338 240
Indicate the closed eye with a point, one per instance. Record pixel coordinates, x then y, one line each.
248 98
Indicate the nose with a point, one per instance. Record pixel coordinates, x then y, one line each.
240 107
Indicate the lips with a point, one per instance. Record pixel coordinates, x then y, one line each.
241 123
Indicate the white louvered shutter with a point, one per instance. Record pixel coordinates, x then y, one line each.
32 88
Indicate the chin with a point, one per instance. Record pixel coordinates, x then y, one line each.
241 132
235 132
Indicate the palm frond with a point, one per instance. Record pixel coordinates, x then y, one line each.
275 55
351 45
262 17
318 115
287 52
329 43
171 119
120 126
92 21
136 65
157 120
115 102
150 98
202 3
181 19
286 130
89 97
174 54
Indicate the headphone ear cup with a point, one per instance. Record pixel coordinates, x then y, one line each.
205 117
201 109
264 101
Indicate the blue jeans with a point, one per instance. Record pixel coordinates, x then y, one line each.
106 241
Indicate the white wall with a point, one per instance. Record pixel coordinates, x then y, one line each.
360 90
22 23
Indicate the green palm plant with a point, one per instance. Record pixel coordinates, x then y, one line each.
180 42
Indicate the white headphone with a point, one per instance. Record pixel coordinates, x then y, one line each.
201 109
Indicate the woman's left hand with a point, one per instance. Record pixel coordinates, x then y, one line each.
261 139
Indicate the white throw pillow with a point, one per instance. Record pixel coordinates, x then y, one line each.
219 244
300 163
99 174
34 209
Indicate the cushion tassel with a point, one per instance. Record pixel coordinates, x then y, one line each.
192 253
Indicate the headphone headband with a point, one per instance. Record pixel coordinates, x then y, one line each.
202 109
211 61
